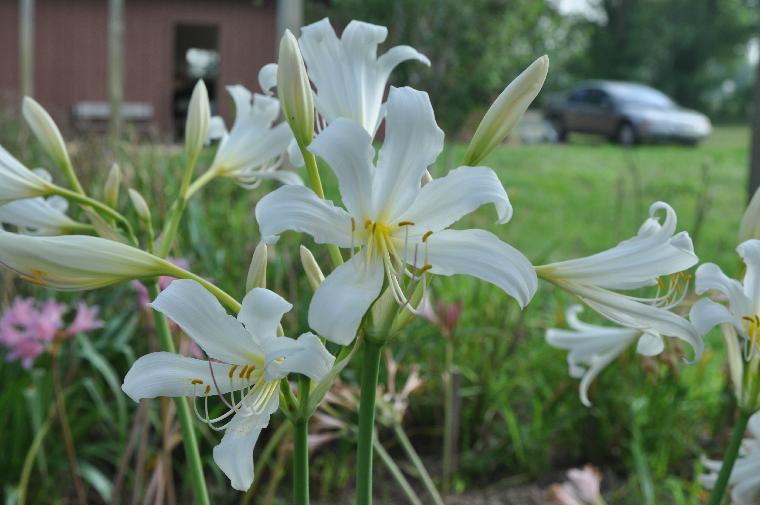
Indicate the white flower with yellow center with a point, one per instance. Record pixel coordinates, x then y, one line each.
634 263
247 361
394 228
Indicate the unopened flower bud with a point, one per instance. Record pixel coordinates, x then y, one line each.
257 272
46 131
294 90
198 119
750 224
506 111
111 187
311 267
138 202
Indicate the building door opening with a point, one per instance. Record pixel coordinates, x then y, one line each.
196 56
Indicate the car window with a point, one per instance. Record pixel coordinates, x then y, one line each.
589 96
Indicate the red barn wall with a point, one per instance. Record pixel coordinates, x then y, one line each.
71 49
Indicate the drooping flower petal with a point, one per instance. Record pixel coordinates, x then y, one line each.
750 253
169 374
349 78
77 262
710 276
298 208
348 150
38 216
412 143
340 302
481 254
234 454
261 312
706 314
203 318
17 181
445 200
306 355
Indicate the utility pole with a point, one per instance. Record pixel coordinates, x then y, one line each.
115 66
26 47
289 16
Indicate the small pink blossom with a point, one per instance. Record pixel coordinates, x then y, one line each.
445 315
28 328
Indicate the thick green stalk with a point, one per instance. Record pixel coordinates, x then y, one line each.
71 177
189 439
316 184
732 451
175 214
301 445
370 372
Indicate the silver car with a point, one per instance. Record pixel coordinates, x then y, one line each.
627 113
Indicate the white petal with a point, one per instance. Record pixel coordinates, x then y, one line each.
747 491
347 148
75 262
38 215
706 314
307 356
650 344
396 55
168 374
17 181
261 312
635 262
234 454
203 318
710 276
750 253
412 143
268 77
298 208
340 302
216 128
481 254
443 201
294 154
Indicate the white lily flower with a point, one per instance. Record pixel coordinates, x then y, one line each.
254 148
743 311
397 228
40 216
18 182
349 77
745 476
593 347
77 262
249 361
637 262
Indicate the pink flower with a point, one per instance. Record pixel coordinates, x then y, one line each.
85 320
445 316
581 488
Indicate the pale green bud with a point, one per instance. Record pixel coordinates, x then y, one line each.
257 272
405 316
311 267
198 119
506 111
111 187
138 202
294 90
750 224
46 131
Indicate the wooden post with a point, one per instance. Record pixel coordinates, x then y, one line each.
289 16
754 161
26 47
115 66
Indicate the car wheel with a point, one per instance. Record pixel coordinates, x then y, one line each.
626 135
559 129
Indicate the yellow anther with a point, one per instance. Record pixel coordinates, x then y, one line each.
749 319
242 372
367 223
660 283
232 370
405 223
279 360
681 275
426 236
249 372
208 389
353 225
196 381
37 277
425 268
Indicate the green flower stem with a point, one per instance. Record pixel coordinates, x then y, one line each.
201 181
71 176
301 446
189 439
417 462
98 206
370 372
719 490
316 184
175 214
397 473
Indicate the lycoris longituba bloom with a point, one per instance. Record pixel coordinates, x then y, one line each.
249 361
637 262
18 182
394 227
40 216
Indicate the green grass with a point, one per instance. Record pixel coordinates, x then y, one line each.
521 416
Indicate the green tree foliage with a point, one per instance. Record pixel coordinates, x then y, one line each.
687 48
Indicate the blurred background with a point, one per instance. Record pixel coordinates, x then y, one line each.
646 100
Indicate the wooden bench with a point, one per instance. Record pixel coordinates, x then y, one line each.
92 117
